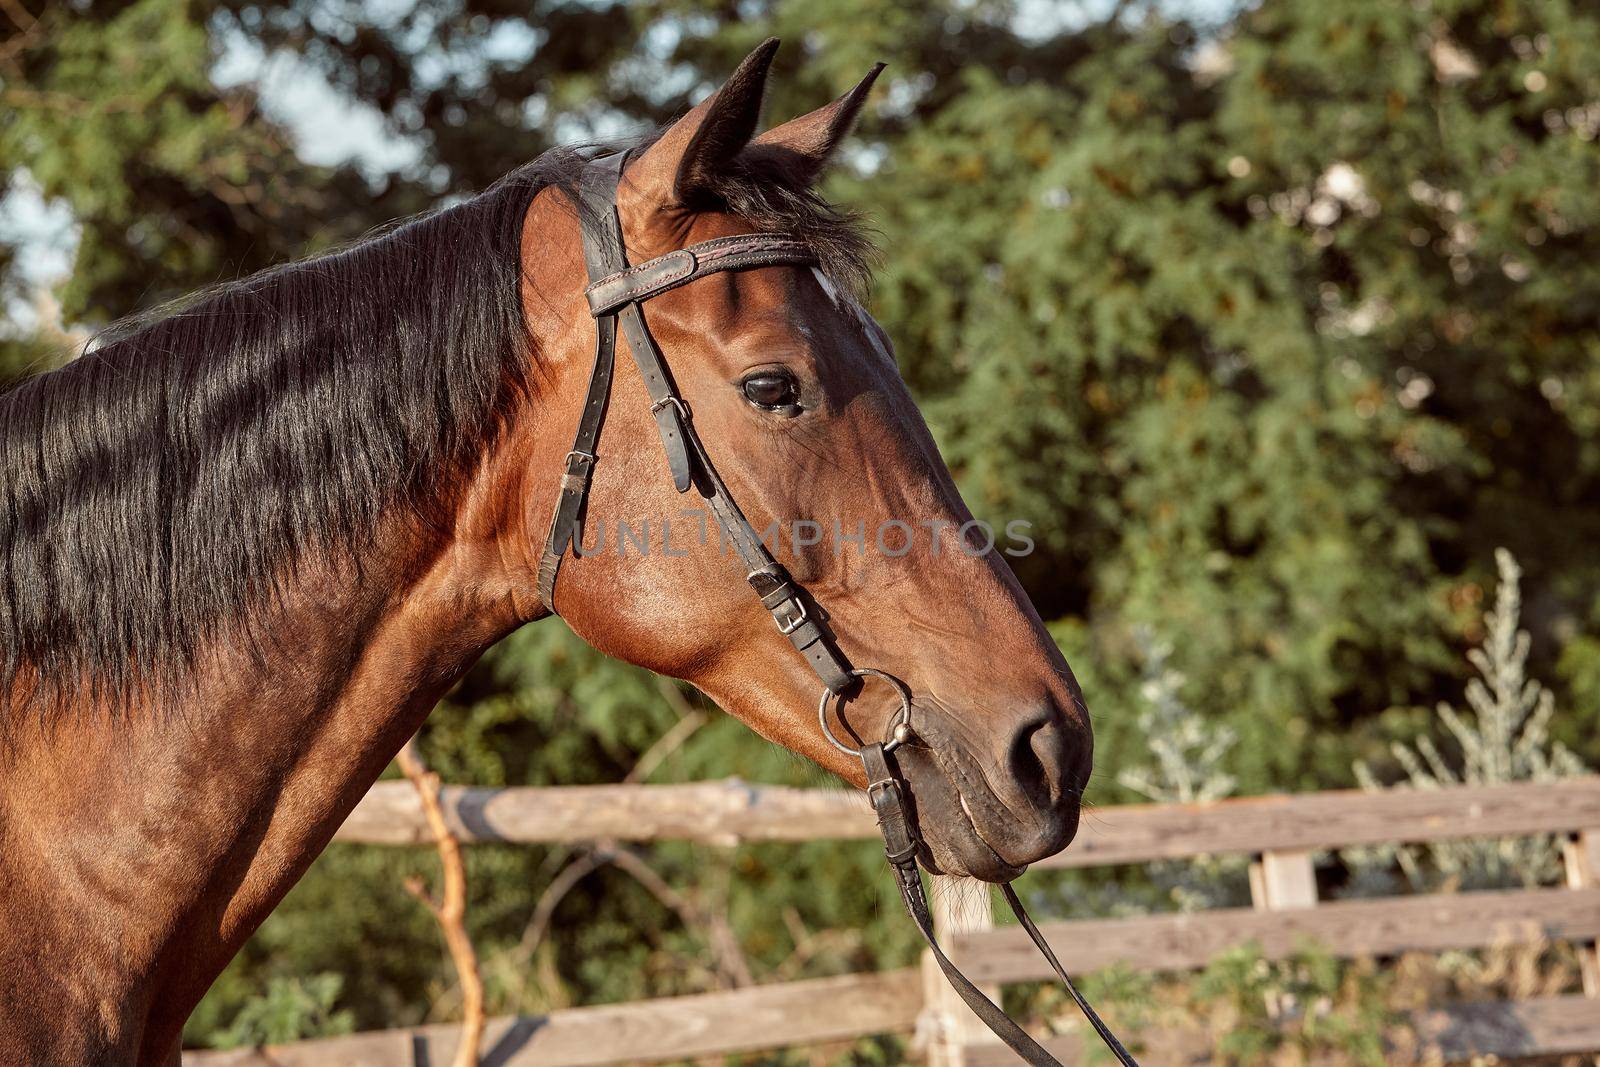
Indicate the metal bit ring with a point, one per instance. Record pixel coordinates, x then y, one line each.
899 729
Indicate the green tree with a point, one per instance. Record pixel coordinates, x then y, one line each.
1272 336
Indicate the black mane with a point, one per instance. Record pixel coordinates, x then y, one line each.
160 488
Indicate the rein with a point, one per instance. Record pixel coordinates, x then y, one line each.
616 293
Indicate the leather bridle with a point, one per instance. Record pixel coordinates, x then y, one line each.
617 292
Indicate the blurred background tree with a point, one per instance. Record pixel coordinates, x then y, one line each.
1274 320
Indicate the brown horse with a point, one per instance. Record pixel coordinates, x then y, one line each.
245 547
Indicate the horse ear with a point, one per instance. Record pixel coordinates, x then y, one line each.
685 160
805 144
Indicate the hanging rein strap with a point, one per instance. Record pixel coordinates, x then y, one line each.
900 846
616 293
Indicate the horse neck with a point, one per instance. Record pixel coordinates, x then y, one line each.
153 852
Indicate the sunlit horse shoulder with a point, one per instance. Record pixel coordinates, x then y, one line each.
245 547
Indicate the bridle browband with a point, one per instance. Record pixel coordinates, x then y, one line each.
616 292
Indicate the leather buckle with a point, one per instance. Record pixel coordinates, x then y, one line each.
776 589
580 467
799 620
675 401
886 783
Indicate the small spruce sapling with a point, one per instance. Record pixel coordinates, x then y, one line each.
1504 737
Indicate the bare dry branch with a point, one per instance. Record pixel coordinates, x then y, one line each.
808 945
730 957
667 744
450 910
563 883
734 966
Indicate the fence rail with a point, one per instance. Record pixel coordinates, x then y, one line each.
732 811
1458 1033
1280 833
1348 928
669 1028
716 813
594 1037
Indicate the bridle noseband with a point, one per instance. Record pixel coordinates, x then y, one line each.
616 293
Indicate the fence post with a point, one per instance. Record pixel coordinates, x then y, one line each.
947 1026
1581 854
1282 881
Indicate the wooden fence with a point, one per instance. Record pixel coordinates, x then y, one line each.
1281 833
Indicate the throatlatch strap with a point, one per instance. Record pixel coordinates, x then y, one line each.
594 210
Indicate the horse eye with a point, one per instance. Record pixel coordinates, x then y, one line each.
771 391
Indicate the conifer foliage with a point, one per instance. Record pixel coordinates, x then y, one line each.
1504 737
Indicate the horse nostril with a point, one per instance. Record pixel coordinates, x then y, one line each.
1043 758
